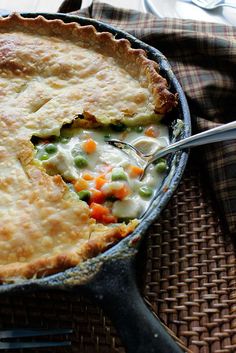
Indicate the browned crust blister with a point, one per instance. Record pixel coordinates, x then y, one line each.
136 63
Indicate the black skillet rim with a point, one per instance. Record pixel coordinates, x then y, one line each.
128 245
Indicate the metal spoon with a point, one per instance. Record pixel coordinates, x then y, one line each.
220 133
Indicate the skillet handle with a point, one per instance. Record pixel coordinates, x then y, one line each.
115 288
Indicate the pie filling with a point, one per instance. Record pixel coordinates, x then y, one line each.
103 176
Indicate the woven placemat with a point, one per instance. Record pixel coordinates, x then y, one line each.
188 280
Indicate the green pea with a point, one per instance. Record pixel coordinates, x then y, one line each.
51 148
139 129
161 166
145 191
118 174
43 157
80 161
64 140
84 195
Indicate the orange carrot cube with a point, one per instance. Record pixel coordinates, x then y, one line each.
89 146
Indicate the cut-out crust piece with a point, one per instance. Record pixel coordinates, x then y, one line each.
49 73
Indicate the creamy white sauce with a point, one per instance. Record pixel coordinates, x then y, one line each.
106 160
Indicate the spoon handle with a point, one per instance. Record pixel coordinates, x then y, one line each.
220 133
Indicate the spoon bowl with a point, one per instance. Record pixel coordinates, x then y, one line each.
219 133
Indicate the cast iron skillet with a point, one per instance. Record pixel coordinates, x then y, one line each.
110 277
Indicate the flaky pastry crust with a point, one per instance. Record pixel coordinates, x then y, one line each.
49 73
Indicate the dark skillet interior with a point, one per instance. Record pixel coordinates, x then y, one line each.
177 164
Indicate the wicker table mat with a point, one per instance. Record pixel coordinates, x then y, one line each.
188 279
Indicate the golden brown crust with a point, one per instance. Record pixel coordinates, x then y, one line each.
133 60
97 244
49 73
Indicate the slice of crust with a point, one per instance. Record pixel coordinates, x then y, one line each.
49 73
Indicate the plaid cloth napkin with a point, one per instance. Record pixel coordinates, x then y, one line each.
203 57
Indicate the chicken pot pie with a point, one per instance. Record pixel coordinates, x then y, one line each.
61 85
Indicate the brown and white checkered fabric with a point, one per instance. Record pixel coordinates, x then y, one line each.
203 57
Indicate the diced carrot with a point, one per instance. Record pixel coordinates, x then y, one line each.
89 146
97 196
122 192
135 171
87 176
109 219
98 211
80 184
103 176
152 131
102 213
99 182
